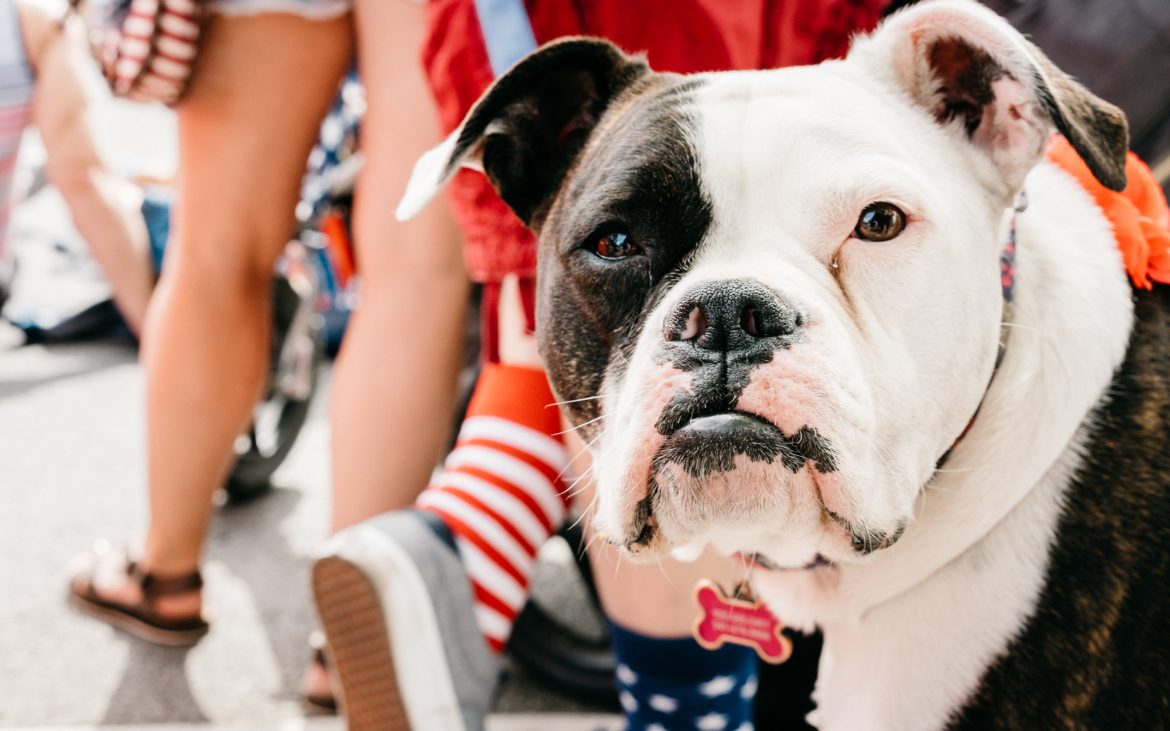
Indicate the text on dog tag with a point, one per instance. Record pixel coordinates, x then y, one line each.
746 622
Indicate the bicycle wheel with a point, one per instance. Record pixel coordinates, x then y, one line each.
280 415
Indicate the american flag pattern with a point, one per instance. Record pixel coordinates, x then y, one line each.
150 55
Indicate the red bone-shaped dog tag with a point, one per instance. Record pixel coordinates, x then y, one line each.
743 622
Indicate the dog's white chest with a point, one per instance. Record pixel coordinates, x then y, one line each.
913 662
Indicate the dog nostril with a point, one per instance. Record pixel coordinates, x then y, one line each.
723 316
695 326
749 320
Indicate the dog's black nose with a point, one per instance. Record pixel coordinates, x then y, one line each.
731 315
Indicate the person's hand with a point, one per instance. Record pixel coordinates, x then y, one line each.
517 342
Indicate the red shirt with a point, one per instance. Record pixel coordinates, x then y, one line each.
683 36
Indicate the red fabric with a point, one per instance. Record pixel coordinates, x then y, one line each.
519 394
676 35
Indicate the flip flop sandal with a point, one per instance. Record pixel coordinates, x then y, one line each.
140 619
320 661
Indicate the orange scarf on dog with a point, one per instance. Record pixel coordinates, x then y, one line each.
1139 214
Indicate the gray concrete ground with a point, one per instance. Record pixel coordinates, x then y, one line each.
72 470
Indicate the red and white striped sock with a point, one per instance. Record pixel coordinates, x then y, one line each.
501 492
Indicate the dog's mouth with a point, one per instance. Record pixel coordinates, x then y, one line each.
722 467
708 445
759 560
700 448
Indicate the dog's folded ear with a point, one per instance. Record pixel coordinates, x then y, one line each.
527 128
966 65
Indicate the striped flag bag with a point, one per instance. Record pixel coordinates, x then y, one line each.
146 48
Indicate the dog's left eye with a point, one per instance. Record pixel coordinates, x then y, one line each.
880 222
615 245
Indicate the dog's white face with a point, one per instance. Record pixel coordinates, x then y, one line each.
793 390
773 298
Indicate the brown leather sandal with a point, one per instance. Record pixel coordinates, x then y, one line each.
318 662
141 619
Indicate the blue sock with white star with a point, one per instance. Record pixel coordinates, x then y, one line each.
674 684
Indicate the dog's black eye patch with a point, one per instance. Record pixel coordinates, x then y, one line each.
632 210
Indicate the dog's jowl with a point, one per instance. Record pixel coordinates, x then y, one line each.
785 289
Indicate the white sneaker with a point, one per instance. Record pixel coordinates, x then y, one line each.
398 612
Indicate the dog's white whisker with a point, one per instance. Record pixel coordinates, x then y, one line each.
617 564
583 450
579 426
588 545
666 575
572 401
576 479
961 470
584 477
587 511
569 488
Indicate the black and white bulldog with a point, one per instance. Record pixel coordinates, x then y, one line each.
773 303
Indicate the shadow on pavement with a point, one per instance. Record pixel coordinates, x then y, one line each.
154 688
251 541
22 385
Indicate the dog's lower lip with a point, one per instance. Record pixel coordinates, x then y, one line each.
724 423
754 560
758 560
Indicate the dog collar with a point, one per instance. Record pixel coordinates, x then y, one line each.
1007 281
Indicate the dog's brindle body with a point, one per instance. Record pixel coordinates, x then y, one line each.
1096 652
1082 643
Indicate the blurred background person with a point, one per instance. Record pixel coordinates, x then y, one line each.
43 60
267 72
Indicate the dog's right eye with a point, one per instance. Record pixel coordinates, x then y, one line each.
614 245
